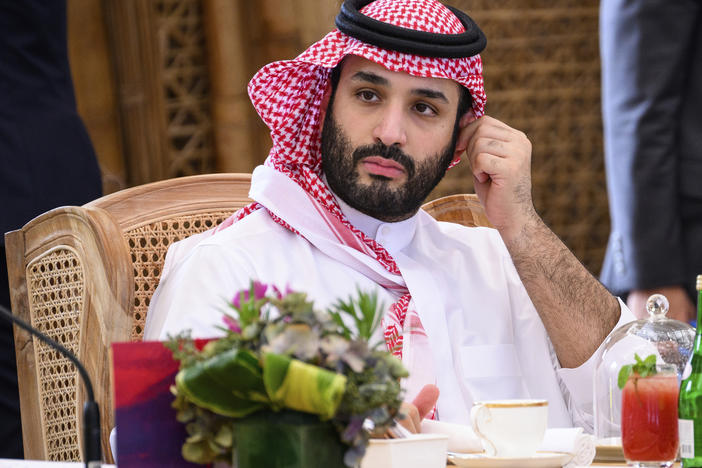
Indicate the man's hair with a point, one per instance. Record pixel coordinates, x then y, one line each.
465 100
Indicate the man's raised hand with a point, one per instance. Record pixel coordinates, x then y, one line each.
500 159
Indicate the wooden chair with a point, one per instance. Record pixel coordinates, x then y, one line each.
462 208
85 275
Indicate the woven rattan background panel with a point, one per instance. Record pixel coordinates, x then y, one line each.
542 76
56 291
186 86
148 245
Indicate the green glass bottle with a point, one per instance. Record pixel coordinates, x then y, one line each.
690 403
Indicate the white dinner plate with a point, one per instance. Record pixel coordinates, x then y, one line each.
538 460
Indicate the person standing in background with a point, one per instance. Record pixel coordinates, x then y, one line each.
46 157
652 111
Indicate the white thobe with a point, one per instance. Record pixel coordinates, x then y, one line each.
486 338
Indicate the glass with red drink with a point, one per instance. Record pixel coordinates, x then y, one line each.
650 418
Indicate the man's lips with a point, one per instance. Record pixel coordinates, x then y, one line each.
377 165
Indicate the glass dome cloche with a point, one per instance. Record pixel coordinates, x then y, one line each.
669 340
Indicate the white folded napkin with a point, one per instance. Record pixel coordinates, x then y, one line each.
571 440
462 439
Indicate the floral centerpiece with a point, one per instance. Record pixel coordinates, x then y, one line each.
281 359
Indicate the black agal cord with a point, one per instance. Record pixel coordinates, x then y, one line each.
352 22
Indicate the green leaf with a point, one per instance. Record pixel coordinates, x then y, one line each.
642 368
225 436
186 414
624 374
301 386
364 310
275 370
336 317
197 452
230 384
645 367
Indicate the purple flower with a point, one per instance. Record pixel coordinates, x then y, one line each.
352 429
278 294
232 323
259 293
276 291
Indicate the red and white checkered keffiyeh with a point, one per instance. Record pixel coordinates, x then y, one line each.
287 95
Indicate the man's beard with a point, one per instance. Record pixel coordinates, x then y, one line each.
378 199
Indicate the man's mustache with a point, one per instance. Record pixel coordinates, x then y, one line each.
388 152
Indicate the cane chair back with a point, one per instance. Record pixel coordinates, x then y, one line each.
463 208
84 276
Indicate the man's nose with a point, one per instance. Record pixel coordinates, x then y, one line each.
391 128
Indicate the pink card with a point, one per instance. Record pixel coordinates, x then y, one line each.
148 434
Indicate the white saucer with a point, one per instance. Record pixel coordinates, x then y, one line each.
538 460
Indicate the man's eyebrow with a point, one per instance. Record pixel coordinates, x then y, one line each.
370 77
431 94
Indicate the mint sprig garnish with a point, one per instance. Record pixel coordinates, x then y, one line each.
642 367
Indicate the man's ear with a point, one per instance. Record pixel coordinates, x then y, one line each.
324 104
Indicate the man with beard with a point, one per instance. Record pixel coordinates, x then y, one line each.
364 124
384 195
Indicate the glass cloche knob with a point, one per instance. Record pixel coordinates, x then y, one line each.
657 306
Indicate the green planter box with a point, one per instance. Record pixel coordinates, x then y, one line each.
287 439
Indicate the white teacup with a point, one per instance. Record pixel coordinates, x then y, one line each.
510 428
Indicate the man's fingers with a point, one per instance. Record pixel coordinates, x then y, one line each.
483 135
421 406
491 146
426 400
410 420
486 127
485 165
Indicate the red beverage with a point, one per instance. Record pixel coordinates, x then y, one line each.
650 418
